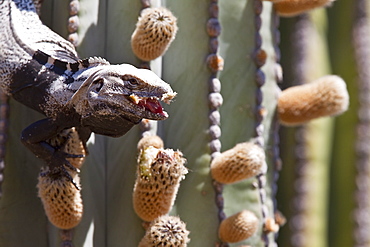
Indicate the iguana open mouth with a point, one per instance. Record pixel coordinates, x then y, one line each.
153 105
150 104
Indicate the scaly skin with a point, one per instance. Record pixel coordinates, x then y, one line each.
41 70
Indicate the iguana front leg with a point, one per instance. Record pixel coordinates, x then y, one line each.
35 137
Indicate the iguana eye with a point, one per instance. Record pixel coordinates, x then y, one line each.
98 84
133 82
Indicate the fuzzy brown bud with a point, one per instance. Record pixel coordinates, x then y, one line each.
288 8
166 231
238 227
158 179
326 96
243 161
147 141
155 30
61 200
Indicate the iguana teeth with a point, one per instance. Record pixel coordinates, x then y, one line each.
135 99
149 104
167 97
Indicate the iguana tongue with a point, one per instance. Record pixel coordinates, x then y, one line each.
152 105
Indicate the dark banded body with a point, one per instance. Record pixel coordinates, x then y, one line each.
67 68
41 70
28 81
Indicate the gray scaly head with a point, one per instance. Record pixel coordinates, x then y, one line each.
119 92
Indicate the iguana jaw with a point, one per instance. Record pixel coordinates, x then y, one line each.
152 104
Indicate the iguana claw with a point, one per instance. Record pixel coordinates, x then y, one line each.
59 171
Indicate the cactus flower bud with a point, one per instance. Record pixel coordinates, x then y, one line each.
289 8
238 227
166 231
326 96
62 201
245 160
155 30
158 179
148 141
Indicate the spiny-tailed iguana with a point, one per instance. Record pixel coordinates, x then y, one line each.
41 70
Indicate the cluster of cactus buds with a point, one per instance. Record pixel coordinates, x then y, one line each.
166 231
159 170
244 161
158 179
155 31
326 96
73 21
61 200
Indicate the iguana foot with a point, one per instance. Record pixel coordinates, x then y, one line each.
60 166
57 172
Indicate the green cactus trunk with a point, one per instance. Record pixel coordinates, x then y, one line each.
108 174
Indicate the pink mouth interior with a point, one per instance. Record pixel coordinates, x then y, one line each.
152 105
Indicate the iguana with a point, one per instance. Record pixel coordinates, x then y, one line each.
41 70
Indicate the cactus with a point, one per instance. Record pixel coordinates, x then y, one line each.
326 96
238 227
224 65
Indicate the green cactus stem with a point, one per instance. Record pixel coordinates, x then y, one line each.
312 159
361 42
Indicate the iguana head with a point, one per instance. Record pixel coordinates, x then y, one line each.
113 94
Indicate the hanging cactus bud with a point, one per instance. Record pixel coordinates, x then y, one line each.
62 201
166 231
289 8
147 141
155 30
245 160
158 179
238 227
326 96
